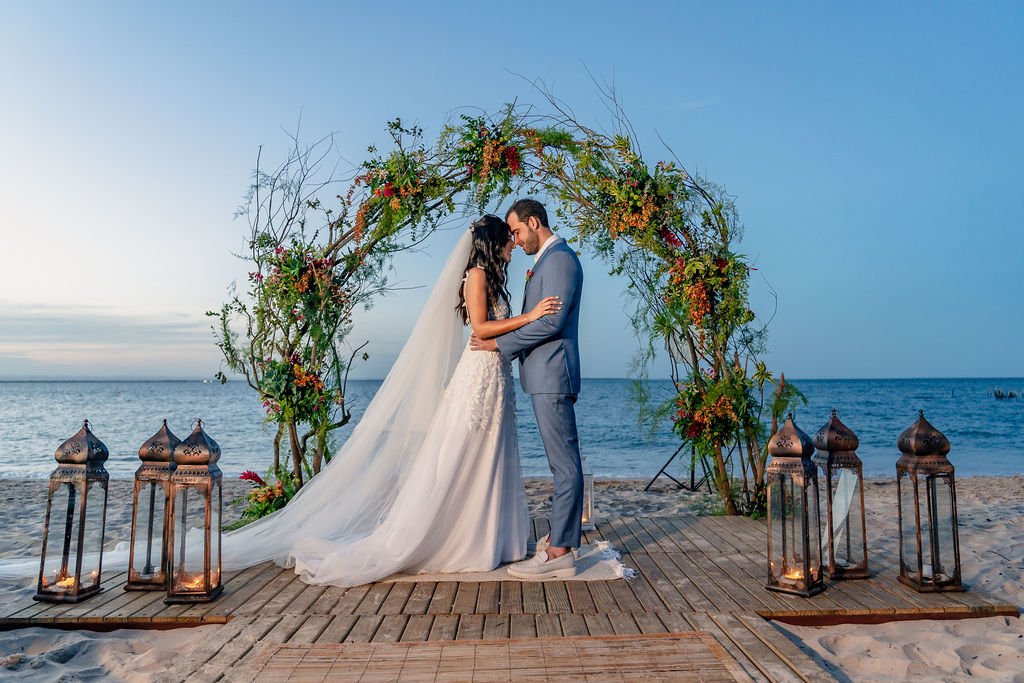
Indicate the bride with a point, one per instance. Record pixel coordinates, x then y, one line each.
429 481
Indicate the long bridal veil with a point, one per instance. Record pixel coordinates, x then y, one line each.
354 494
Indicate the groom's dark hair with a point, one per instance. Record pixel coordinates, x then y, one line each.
525 208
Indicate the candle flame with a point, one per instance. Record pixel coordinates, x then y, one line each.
63 582
191 583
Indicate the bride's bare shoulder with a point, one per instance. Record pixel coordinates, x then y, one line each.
476 279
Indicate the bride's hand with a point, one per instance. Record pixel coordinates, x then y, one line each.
546 306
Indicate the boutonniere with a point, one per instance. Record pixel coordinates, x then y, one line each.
529 274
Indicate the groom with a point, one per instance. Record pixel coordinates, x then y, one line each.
549 369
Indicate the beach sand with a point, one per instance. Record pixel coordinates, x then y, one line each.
992 550
991 515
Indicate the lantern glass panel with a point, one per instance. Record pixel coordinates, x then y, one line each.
940 565
777 533
908 517
813 550
794 552
61 551
794 561
824 500
924 513
92 545
189 557
847 531
148 551
215 513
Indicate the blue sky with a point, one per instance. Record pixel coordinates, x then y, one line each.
873 150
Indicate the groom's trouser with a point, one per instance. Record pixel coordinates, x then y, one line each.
556 419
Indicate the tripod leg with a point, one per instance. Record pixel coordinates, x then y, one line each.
663 468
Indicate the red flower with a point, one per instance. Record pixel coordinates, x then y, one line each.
529 275
694 429
389 190
512 159
249 475
721 264
671 239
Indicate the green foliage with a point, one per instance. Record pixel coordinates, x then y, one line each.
269 494
668 233
489 152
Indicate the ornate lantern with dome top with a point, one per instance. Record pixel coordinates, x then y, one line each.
77 508
193 541
794 528
926 490
844 541
147 559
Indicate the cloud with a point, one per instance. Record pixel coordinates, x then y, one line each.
88 326
56 341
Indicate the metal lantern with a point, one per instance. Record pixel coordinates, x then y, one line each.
926 490
844 545
794 529
193 540
587 523
72 558
151 512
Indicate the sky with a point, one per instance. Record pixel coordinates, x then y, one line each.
872 148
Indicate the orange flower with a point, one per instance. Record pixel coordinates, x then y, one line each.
360 224
491 157
700 305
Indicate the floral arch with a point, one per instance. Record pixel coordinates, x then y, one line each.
669 234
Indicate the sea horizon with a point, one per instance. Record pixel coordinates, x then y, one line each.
36 416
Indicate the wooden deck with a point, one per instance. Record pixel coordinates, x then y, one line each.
696 574
665 657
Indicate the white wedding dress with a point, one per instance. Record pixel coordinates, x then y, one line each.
460 507
428 481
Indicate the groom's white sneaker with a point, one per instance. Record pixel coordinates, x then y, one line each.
540 567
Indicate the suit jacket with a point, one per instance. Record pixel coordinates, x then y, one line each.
548 349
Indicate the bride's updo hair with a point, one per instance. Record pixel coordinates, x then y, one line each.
490 235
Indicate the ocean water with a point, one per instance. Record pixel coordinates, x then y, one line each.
987 435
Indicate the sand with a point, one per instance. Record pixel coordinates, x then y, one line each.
992 549
991 514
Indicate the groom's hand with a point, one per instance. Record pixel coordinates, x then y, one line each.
478 344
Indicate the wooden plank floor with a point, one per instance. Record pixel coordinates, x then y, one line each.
695 574
665 657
